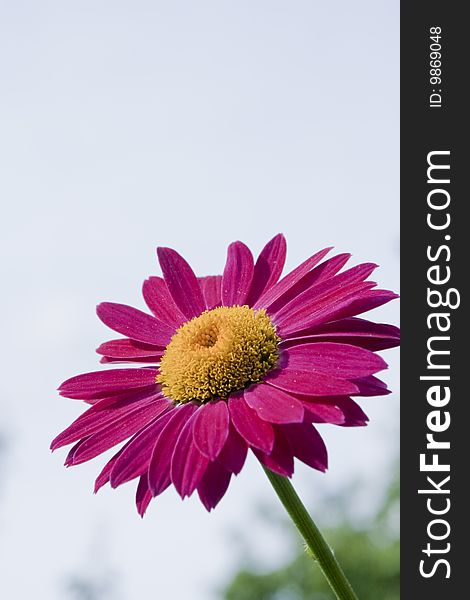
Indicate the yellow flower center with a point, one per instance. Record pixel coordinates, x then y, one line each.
219 352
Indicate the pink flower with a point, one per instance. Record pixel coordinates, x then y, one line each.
232 362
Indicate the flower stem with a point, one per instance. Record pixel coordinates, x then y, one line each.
312 536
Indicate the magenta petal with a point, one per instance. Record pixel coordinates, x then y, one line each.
106 382
129 349
354 303
274 405
325 270
108 360
274 292
371 386
310 383
331 290
280 460
321 310
117 399
354 416
159 300
316 412
118 430
105 473
211 287
101 414
181 282
134 323
210 430
354 327
374 344
134 460
70 458
320 273
233 454
254 430
307 445
159 467
213 485
369 300
143 495
338 360
238 274
354 331
268 267
188 465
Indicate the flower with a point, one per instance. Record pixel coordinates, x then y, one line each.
239 361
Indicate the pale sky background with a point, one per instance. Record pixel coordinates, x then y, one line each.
127 125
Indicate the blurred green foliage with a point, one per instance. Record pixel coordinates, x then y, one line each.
369 555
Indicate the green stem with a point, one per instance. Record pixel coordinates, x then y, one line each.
312 536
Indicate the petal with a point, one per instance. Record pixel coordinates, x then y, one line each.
105 473
317 412
116 399
354 416
159 467
238 274
332 290
210 430
130 349
354 303
134 323
322 310
69 460
254 430
268 267
309 382
102 383
371 386
368 300
356 327
134 460
99 416
280 460
374 344
358 332
273 293
181 282
233 454
339 360
274 405
324 271
213 485
118 430
307 445
188 465
211 287
159 300
107 360
143 495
